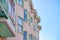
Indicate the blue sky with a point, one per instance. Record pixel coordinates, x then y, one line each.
49 11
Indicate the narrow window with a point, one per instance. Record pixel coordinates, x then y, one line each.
9 8
30 37
20 21
35 26
25 15
31 20
20 24
25 35
20 2
35 38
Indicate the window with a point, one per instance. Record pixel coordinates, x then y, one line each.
25 35
35 38
25 15
20 24
30 37
31 20
9 7
20 2
20 29
20 21
25 0
35 26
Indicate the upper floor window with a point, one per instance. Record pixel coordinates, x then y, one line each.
30 37
25 35
35 26
25 15
25 0
31 19
20 24
35 38
20 29
20 2
9 8
20 21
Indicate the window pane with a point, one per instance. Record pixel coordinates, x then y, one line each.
25 15
34 38
31 19
20 2
30 37
20 21
20 29
25 35
35 25
9 7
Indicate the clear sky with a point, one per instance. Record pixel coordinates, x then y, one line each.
49 11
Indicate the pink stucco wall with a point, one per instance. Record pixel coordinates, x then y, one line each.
17 37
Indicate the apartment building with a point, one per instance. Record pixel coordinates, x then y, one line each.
18 20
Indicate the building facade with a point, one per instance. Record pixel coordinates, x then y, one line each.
18 20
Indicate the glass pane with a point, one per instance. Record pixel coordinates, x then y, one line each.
25 35
9 7
19 21
25 15
20 29
20 2
30 37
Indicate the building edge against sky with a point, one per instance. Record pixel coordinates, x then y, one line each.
18 20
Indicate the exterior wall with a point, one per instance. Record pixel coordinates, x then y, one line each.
19 11
26 5
17 37
1 38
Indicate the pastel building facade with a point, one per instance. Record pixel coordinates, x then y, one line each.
18 20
